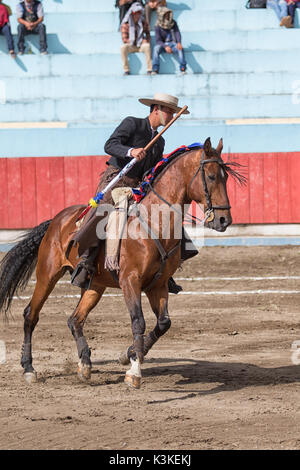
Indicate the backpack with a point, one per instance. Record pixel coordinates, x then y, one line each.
256 4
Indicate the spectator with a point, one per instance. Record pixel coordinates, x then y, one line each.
30 15
168 39
289 20
280 8
135 36
5 12
153 5
124 6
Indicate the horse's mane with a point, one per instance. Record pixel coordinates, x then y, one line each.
229 167
171 163
164 170
236 175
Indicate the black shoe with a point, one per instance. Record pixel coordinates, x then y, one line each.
187 254
173 287
82 276
191 251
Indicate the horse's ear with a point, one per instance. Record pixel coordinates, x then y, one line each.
220 147
207 146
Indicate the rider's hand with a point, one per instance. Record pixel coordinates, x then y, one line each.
139 154
168 49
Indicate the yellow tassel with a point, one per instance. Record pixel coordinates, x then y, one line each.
93 203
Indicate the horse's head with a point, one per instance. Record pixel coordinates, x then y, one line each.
208 186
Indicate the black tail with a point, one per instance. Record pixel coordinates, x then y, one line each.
18 265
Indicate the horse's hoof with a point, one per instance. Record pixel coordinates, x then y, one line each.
123 359
30 377
84 372
133 381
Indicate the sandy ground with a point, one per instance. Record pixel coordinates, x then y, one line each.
222 378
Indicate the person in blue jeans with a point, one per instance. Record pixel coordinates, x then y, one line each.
281 9
292 5
5 12
30 16
168 39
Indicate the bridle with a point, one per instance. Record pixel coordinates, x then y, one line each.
209 213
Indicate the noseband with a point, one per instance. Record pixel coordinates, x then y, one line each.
209 213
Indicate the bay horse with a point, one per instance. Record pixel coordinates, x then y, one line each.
196 175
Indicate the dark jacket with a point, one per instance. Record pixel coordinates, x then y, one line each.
162 35
35 8
133 133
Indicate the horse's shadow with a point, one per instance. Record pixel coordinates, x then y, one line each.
230 376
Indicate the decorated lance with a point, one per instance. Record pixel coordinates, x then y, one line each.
95 201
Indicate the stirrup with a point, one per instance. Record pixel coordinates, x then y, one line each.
173 287
82 276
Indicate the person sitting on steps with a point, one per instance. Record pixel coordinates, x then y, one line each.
288 20
30 15
168 39
135 36
153 5
5 13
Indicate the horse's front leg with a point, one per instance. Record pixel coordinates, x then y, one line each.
45 283
158 298
76 322
132 294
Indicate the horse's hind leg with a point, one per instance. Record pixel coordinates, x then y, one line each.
88 301
158 299
44 285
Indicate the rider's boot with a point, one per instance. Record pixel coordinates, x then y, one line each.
83 274
188 250
173 288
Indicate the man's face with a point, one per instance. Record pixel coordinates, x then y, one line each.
167 114
161 116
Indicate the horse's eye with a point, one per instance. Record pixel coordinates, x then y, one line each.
212 177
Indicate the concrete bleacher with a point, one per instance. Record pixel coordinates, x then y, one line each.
241 65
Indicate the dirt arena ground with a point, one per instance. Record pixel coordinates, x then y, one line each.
224 377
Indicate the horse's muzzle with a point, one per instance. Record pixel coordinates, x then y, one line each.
220 222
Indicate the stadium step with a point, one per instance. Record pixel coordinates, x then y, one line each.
99 87
109 109
212 20
32 65
97 43
102 6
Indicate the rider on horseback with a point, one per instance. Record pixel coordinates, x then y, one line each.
127 141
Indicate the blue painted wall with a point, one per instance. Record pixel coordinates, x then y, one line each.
241 64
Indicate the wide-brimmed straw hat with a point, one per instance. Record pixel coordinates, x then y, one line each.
164 100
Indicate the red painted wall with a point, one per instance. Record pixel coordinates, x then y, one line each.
35 189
